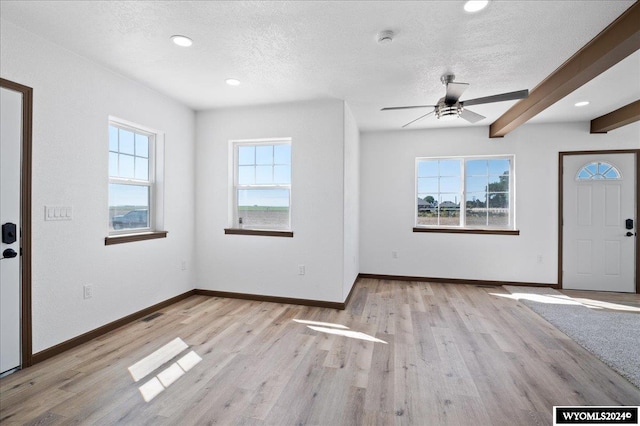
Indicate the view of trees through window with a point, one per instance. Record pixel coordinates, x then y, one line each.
480 185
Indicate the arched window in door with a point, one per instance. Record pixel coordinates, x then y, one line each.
598 170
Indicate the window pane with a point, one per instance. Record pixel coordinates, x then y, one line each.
282 154
603 167
264 208
476 168
449 167
498 183
583 174
126 142
282 175
113 164
264 154
427 168
246 175
264 174
126 166
142 168
142 145
499 167
476 209
428 185
498 200
427 209
498 212
450 184
449 210
476 184
113 139
128 206
246 155
612 174
477 200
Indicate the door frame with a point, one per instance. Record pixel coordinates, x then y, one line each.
25 217
561 204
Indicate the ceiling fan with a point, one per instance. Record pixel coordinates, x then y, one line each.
450 105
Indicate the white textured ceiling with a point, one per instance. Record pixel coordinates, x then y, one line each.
288 51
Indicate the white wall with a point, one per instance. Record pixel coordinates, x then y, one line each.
388 199
72 101
269 265
351 201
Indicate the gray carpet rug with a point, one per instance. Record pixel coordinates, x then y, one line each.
614 337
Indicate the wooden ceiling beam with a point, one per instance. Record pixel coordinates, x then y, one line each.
619 40
618 118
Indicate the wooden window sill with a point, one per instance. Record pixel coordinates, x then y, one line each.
259 232
469 231
130 238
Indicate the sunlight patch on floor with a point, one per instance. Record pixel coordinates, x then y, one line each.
561 299
542 298
347 333
600 304
169 375
153 361
321 324
337 329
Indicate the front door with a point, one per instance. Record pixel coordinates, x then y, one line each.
10 264
599 223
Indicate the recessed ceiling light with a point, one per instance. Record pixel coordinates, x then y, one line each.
475 5
232 82
181 40
581 104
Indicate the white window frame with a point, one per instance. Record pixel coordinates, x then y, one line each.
155 183
235 187
463 225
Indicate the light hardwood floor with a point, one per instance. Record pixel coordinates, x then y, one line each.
453 355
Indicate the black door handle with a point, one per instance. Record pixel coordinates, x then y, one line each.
9 254
630 234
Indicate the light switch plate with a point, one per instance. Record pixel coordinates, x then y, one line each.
58 213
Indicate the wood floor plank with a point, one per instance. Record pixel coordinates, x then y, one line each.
447 355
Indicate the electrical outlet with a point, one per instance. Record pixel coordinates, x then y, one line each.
394 254
301 270
88 291
539 258
183 265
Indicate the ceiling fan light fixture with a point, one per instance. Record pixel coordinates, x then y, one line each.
473 6
444 112
182 41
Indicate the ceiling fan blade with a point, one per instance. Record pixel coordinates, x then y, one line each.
471 116
454 91
407 107
419 118
510 96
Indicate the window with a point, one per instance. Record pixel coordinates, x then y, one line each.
598 170
483 186
133 192
262 185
